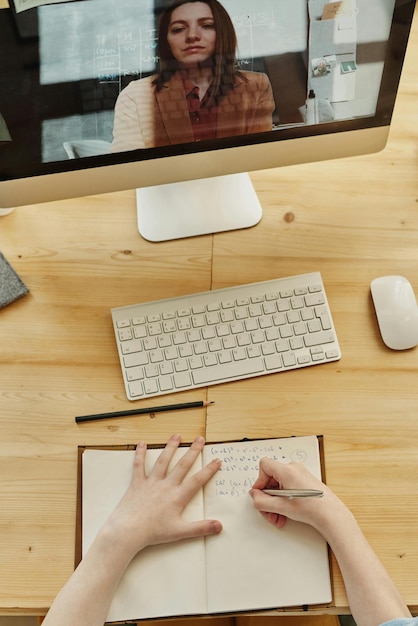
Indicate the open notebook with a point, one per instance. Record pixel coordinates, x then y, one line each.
251 565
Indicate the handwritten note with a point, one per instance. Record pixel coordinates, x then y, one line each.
240 463
129 51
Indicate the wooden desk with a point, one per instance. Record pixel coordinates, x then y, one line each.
352 220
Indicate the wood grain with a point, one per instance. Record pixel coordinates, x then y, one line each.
352 219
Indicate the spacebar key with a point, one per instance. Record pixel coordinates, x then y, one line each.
237 369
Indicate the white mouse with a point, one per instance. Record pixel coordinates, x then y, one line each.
396 311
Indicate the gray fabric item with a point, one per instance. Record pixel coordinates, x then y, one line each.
11 285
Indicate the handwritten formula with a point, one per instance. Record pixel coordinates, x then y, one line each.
240 463
126 52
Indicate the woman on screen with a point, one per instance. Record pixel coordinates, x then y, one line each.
198 92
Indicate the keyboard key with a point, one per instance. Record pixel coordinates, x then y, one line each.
133 360
209 332
156 356
140 332
136 389
253 351
225 356
239 354
134 373
179 338
125 334
314 326
134 345
213 318
268 348
181 365
138 320
314 299
185 350
123 324
210 359
150 343
317 339
322 314
164 341
296 343
332 354
273 362
289 359
228 370
282 345
195 362
171 353
166 368
166 383
169 326
151 371
182 380
150 386
252 324
214 345
314 288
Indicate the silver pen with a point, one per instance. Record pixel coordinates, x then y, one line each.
294 493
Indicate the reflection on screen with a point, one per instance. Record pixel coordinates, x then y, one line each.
59 102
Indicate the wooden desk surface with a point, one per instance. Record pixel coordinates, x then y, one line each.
353 220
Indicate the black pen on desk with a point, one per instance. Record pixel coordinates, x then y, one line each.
294 493
142 411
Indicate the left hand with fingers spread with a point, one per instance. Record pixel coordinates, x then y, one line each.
151 510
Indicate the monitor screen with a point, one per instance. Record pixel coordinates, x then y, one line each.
101 95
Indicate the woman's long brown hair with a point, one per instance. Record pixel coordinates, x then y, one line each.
224 62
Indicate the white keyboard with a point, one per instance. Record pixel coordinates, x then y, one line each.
224 335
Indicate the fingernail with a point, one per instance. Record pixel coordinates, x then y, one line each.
216 526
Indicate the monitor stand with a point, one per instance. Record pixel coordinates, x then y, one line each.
197 207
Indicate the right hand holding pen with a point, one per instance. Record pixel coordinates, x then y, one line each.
276 475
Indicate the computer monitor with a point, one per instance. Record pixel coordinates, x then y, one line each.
323 74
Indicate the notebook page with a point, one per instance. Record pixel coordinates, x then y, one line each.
162 580
252 564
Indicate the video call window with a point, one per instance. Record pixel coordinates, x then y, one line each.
60 85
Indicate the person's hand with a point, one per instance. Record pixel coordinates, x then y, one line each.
275 475
151 510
